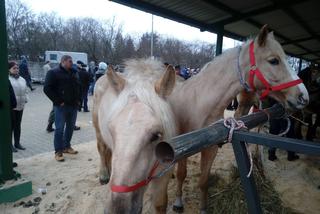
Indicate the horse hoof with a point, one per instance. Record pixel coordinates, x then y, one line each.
104 181
177 209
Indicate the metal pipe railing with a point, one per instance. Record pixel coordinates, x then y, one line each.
191 143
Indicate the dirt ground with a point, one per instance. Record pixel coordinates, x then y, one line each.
73 186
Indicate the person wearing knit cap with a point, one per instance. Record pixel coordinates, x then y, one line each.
19 86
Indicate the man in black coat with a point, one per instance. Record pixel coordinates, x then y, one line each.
85 80
63 88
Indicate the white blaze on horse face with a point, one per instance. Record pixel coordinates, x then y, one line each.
133 154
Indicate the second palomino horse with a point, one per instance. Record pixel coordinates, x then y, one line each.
260 64
130 116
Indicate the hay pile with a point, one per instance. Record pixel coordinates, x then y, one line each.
228 197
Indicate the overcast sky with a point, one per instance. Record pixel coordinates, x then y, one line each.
134 22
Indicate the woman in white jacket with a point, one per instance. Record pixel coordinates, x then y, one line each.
21 92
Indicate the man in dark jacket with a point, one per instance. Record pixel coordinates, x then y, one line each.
85 79
62 86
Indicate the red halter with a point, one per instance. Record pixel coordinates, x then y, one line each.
254 70
123 189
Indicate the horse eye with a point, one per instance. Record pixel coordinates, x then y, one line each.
155 137
274 61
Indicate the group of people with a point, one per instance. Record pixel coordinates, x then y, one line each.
66 85
186 73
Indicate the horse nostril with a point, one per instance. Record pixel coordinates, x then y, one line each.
302 100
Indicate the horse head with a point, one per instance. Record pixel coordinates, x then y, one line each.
140 118
270 74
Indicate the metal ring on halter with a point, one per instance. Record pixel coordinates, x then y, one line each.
287 129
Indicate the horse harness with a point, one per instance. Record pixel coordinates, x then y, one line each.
255 72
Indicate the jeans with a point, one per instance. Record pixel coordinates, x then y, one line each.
16 117
51 116
91 88
84 100
65 119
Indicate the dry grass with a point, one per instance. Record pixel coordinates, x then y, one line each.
229 197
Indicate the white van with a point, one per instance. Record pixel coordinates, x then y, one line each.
55 56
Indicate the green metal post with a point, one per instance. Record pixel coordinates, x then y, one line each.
6 169
219 42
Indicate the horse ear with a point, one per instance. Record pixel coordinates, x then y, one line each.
116 81
271 35
262 37
165 85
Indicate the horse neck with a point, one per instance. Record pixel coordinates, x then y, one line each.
204 97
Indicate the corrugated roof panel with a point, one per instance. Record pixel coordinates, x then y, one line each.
313 45
293 49
308 10
197 10
293 31
311 56
243 28
315 25
243 6
272 18
201 13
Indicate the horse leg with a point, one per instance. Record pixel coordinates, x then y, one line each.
245 101
159 193
105 161
181 175
207 157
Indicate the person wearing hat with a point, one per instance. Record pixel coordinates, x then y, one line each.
85 80
20 90
101 70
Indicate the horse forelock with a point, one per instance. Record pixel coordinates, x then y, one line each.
145 93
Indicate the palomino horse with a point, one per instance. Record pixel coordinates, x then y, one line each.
311 79
202 99
130 116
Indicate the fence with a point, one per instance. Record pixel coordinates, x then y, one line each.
188 144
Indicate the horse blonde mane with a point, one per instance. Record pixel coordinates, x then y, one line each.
140 78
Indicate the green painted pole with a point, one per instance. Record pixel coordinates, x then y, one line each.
6 168
219 42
